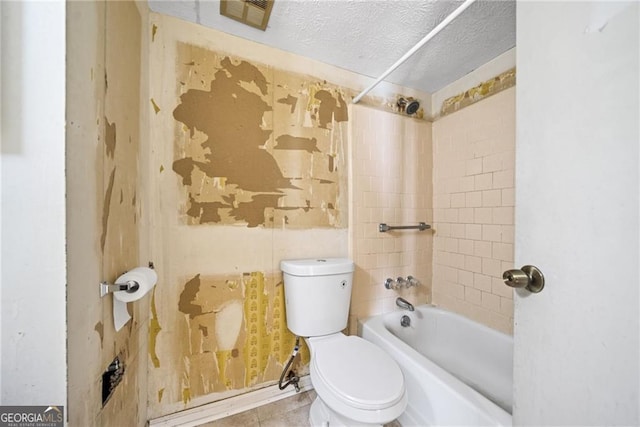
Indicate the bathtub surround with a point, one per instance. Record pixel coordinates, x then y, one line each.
473 181
390 183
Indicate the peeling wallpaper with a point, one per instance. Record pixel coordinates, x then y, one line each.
225 335
235 333
252 162
257 145
248 164
103 136
477 93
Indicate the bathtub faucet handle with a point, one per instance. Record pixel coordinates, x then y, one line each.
390 283
412 281
402 282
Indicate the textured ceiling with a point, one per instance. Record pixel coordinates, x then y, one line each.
368 36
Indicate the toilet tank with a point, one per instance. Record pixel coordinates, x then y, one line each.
317 295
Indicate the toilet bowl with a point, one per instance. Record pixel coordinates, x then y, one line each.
357 383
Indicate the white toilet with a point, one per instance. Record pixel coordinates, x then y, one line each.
357 383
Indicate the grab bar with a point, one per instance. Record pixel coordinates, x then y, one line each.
383 228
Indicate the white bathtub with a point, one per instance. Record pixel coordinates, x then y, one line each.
457 372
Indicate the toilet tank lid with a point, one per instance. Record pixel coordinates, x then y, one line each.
317 266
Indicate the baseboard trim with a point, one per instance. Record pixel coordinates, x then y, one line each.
233 405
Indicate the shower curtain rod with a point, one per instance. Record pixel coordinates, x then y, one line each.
414 49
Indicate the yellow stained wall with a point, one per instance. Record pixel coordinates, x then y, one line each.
103 131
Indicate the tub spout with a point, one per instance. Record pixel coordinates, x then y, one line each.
403 303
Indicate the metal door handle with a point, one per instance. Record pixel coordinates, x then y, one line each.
528 277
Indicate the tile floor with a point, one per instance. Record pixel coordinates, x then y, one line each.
290 412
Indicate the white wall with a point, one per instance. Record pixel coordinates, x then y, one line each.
33 301
576 354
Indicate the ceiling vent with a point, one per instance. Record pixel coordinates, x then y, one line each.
254 13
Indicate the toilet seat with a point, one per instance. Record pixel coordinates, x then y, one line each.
357 378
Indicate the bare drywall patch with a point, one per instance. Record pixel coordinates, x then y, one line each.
231 116
330 108
290 142
110 137
235 334
289 100
188 295
244 158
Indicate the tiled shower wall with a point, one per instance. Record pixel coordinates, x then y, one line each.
390 183
473 196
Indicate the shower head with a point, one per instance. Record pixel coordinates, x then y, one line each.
408 105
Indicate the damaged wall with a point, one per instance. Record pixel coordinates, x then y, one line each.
253 154
103 131
248 166
259 146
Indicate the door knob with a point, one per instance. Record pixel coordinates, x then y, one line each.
528 277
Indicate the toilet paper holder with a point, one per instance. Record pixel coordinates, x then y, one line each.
129 286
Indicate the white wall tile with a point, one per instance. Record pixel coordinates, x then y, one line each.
473 180
392 182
